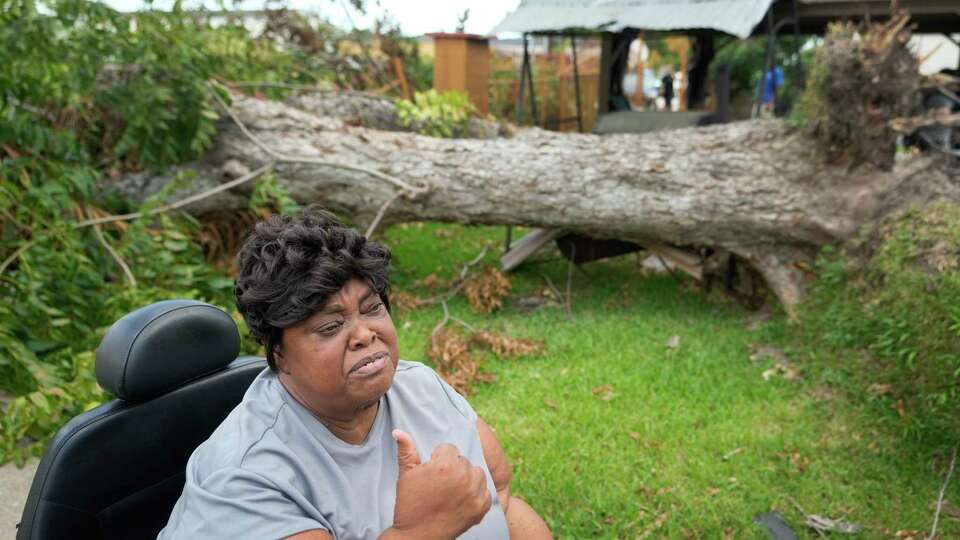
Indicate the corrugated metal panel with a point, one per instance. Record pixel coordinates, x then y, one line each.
736 17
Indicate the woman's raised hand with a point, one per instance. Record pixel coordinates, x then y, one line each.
438 499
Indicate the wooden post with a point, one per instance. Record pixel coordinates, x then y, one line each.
638 98
462 62
402 77
606 64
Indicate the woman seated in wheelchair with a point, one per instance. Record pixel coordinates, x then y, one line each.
339 438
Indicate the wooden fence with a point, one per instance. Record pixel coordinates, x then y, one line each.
555 91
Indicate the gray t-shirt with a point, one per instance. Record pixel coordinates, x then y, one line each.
272 469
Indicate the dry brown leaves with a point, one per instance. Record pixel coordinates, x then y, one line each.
451 355
432 282
405 301
795 458
222 234
487 291
505 347
604 392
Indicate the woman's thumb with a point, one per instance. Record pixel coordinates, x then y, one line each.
407 455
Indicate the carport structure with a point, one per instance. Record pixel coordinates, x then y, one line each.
618 22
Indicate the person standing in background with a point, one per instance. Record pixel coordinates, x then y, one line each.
667 86
772 80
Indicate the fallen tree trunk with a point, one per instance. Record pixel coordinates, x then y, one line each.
756 189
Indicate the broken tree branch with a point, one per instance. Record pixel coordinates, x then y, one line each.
178 204
913 123
116 256
943 489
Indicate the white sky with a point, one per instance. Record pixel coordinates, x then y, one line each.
415 16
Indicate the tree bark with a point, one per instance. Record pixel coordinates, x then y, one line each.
758 189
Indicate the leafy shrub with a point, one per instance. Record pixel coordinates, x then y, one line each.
437 114
87 94
747 61
896 292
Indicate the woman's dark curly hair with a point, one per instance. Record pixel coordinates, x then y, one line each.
290 265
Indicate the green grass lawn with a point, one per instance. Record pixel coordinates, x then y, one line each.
687 442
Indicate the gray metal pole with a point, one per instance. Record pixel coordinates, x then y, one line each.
533 92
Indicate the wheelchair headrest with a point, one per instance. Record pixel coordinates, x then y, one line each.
163 346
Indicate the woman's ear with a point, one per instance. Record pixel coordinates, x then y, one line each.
280 360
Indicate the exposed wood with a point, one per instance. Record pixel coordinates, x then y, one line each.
402 78
913 123
682 259
526 246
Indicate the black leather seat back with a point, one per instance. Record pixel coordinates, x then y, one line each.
116 471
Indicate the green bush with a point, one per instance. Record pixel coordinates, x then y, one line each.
895 292
747 57
437 114
87 94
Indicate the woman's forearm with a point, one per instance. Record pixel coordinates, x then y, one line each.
524 523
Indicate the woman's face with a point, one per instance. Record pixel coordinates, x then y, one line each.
342 359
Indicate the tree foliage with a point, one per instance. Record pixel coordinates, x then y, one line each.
88 94
747 58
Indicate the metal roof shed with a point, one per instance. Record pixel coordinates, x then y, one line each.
619 22
734 17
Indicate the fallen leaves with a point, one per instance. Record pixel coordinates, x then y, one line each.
432 282
604 392
795 458
487 291
405 301
504 346
900 408
449 352
453 359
